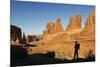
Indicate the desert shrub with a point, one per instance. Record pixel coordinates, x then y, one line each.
90 56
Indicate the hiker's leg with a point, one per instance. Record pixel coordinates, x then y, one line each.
74 55
77 54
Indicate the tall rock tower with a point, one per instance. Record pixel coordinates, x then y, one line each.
49 28
89 29
78 19
90 22
57 26
54 27
74 23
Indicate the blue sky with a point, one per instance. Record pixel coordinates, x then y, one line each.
32 17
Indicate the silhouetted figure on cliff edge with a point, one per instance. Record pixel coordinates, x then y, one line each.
76 48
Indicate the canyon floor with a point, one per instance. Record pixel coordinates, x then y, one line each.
52 53
64 50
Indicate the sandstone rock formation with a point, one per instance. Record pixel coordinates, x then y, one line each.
49 28
90 22
71 24
62 42
74 23
73 31
57 26
54 27
88 31
62 37
78 19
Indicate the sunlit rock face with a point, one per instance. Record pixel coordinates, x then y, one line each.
78 19
55 30
49 28
90 22
57 26
64 50
74 23
54 27
89 29
63 42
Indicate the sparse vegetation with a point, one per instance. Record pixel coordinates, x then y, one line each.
90 56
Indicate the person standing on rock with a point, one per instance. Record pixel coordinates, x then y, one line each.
76 49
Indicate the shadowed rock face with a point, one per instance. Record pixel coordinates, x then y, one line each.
15 32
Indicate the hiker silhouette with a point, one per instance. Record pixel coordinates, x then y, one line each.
76 48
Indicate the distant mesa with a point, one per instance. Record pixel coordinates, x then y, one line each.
16 37
15 32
